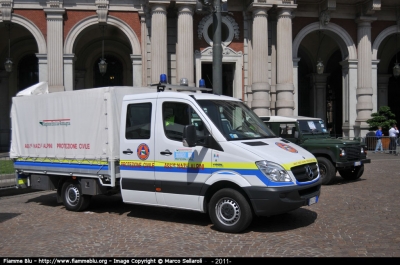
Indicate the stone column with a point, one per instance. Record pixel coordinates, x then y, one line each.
349 70
249 95
364 75
69 71
250 53
144 36
284 87
184 47
260 86
42 61
273 66
159 62
55 39
375 85
137 70
296 86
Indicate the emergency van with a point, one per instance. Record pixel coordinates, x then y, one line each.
160 146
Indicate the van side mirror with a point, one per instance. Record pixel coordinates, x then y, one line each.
189 136
296 134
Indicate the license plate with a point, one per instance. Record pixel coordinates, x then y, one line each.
358 163
313 200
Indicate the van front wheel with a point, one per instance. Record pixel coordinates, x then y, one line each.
229 211
73 198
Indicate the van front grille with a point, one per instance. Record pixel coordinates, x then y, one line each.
305 172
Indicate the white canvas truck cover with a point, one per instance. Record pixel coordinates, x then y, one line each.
81 124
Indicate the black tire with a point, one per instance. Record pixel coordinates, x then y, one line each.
326 170
229 211
352 174
72 196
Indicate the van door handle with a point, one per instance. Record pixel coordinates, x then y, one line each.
166 152
128 152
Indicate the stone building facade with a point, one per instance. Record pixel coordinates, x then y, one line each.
271 49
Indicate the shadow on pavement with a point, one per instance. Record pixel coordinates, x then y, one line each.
114 205
14 191
341 181
7 216
284 222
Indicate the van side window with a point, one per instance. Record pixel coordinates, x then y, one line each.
176 116
138 120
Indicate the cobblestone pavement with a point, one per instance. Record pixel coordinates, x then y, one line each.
351 219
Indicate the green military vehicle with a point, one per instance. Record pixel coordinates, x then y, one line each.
346 156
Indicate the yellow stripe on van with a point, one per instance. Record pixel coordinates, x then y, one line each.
217 164
288 166
67 161
235 165
190 164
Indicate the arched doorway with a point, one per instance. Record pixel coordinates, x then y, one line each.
113 76
93 42
28 71
320 94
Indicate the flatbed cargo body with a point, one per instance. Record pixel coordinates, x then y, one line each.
72 133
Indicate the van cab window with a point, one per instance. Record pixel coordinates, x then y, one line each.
138 120
176 116
235 120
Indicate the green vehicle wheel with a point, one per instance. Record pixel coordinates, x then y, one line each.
326 170
352 174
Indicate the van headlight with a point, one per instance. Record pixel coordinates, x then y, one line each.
273 172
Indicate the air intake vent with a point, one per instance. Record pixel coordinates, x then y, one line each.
255 143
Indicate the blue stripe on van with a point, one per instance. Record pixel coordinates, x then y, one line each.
18 164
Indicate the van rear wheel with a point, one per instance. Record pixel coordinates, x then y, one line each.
326 170
229 211
73 199
352 174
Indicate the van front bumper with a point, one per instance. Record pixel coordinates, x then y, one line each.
268 201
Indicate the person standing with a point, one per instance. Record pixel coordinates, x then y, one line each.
379 135
393 132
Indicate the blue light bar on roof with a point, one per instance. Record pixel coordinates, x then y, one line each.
202 83
163 78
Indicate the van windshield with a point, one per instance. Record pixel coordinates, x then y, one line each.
235 120
312 127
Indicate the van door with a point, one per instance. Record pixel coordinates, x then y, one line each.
137 165
182 170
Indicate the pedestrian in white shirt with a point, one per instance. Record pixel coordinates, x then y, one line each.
393 133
